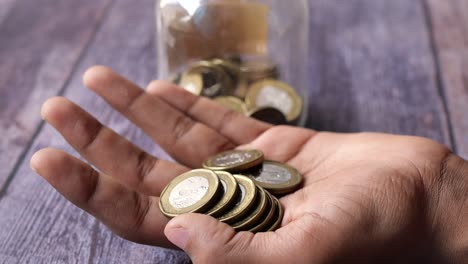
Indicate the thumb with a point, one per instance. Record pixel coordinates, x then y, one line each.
207 240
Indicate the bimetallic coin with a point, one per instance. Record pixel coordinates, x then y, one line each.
268 114
256 213
175 78
259 69
234 160
229 196
232 103
192 192
231 67
215 80
245 201
242 88
276 177
278 217
192 82
266 221
275 94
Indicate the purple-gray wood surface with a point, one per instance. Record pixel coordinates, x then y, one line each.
376 65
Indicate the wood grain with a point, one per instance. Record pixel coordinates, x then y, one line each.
44 226
450 28
38 49
372 69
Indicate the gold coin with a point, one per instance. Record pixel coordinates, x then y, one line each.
232 103
245 201
231 67
175 78
258 69
230 193
268 114
275 94
270 213
191 192
234 160
214 80
241 88
258 211
192 82
278 217
276 177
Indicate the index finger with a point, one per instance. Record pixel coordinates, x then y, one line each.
185 139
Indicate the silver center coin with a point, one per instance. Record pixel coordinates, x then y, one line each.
273 174
188 192
232 159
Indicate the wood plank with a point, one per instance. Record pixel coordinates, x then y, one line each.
44 227
38 49
450 28
372 69
5 7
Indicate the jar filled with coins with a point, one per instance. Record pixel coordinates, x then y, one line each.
248 55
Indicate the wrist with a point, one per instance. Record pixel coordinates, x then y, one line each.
450 207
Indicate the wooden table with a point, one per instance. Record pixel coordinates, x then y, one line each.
398 66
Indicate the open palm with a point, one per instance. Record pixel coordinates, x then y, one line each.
360 191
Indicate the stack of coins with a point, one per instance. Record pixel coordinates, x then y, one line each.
237 187
250 87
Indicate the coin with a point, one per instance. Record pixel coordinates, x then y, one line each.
192 82
242 87
276 177
232 103
276 94
234 160
268 218
215 81
245 201
191 192
175 78
258 69
278 217
268 114
230 193
231 67
258 211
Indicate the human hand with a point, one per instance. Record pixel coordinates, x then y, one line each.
365 197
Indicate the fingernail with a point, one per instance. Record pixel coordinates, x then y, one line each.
32 164
178 236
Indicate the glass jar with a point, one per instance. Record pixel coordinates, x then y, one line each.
249 55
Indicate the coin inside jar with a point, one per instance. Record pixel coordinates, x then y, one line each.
192 192
229 196
232 103
275 94
245 201
276 177
192 82
259 69
268 114
234 160
214 79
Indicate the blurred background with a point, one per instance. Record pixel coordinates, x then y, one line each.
374 65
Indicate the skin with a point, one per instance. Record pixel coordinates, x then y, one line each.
365 198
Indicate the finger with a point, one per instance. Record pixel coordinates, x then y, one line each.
208 240
231 124
129 214
188 141
108 151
